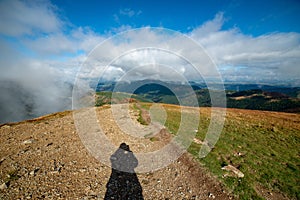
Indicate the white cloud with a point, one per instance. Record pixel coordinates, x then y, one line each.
28 17
272 54
30 87
33 85
126 12
150 64
238 56
209 27
122 28
129 12
79 39
39 27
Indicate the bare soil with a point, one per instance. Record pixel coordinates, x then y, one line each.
44 158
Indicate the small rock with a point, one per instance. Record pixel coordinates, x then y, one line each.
49 144
231 168
2 159
239 154
3 186
5 126
211 195
197 141
82 170
57 166
30 141
270 193
275 129
32 173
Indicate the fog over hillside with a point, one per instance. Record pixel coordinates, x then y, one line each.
21 102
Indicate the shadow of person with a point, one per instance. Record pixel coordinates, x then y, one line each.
123 182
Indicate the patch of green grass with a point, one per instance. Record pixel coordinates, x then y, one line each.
140 118
173 121
12 176
102 98
266 157
154 139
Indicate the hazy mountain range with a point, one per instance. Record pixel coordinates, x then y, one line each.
18 102
246 96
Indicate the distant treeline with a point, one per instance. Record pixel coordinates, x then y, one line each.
273 99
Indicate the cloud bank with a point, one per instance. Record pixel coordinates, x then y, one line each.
40 56
266 57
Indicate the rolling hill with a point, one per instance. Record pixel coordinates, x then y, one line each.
44 157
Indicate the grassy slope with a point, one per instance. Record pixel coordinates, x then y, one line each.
263 145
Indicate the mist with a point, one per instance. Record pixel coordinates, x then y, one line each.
20 100
30 88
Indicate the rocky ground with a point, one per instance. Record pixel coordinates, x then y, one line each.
45 158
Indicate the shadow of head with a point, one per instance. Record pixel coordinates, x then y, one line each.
123 159
124 146
123 182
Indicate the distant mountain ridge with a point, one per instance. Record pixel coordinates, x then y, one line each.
290 91
245 96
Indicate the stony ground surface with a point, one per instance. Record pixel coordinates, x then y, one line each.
44 158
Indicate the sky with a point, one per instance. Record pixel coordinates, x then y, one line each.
251 17
43 43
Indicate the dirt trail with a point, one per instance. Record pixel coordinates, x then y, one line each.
45 159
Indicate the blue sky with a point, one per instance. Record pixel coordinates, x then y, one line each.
251 17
